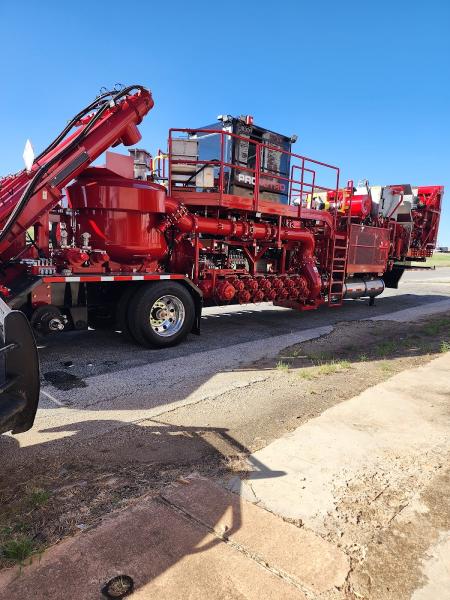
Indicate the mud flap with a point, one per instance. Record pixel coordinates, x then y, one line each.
197 296
198 302
19 371
392 278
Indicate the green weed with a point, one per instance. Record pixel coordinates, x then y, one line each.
306 374
38 497
18 549
282 366
445 346
386 348
334 366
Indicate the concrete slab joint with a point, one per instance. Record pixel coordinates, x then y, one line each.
293 553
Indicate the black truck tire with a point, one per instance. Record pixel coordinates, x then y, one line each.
122 310
161 314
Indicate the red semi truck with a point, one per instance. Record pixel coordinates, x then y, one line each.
229 213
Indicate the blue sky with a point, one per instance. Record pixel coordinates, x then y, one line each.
365 85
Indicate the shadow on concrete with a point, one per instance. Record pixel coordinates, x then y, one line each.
88 479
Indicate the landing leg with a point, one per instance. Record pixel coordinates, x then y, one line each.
372 301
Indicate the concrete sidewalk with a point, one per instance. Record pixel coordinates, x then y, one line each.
368 474
198 541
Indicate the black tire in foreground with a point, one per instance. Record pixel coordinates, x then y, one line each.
160 314
19 371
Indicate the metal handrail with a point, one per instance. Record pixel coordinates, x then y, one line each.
257 171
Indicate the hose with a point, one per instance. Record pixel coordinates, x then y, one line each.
71 124
84 112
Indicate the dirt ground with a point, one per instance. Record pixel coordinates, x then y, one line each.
51 494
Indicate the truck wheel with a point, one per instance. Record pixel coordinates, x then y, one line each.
46 320
122 310
102 321
161 314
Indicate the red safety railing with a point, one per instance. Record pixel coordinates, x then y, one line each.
301 183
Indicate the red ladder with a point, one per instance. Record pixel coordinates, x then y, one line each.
338 267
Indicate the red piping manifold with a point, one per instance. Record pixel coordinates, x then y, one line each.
179 216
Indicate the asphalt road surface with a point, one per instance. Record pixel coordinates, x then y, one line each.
101 381
72 358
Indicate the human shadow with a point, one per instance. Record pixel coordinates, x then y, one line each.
89 479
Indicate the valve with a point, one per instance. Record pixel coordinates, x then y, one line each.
264 284
98 257
277 284
237 283
225 291
282 293
206 287
303 287
72 257
244 297
288 283
250 284
85 243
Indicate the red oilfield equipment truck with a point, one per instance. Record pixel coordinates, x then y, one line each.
227 214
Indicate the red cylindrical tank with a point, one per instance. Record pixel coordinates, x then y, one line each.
361 205
120 215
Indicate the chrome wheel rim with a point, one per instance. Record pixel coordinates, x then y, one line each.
167 316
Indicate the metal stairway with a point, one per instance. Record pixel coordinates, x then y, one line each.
338 267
